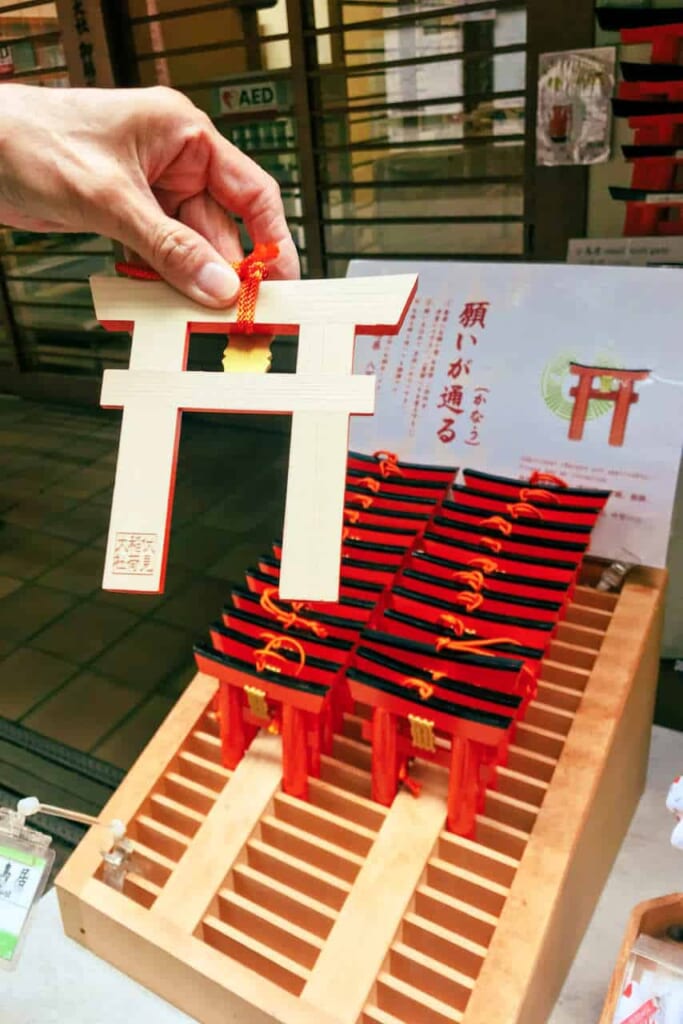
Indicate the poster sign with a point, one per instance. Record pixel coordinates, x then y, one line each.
511 368
658 251
574 114
249 97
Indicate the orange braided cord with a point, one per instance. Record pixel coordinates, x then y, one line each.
468 599
251 271
425 689
412 785
454 623
491 542
523 508
367 481
478 646
273 646
366 500
487 565
537 494
499 523
388 463
288 619
546 478
352 515
474 579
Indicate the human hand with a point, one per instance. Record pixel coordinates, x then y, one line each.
144 167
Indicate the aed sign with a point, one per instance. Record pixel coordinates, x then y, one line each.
241 98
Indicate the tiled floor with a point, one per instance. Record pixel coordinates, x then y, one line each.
94 670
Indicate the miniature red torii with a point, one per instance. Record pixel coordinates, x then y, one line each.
623 396
321 396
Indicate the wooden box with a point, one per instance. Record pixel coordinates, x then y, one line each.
253 907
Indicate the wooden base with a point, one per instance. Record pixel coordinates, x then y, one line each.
252 906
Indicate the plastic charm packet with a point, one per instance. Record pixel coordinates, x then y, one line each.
26 860
653 984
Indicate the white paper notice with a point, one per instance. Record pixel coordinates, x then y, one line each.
491 371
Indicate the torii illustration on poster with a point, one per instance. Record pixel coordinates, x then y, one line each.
510 368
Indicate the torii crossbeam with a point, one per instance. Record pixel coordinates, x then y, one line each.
320 395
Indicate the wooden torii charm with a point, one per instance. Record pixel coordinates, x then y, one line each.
321 396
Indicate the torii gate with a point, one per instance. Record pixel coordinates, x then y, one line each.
320 395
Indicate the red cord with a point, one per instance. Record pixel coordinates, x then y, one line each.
251 271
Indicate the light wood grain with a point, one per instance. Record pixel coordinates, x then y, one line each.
346 970
227 828
375 304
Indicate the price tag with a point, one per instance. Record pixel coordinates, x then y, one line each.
22 876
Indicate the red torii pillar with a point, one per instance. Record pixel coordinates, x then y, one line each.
623 396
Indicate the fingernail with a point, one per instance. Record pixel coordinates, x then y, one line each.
218 281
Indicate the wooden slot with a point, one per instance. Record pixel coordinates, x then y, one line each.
538 740
521 787
465 853
373 1015
591 618
352 751
209 723
331 827
547 717
454 915
463 885
345 776
502 838
176 816
151 864
297 873
198 769
277 968
443 945
602 600
191 794
571 676
581 636
528 762
288 903
353 725
412 1005
205 745
322 854
140 889
509 811
429 975
266 927
159 837
558 697
572 654
347 805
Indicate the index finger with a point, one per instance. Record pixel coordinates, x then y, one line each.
245 189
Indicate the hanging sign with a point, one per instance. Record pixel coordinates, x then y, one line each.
574 371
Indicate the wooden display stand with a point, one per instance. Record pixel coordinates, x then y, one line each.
251 906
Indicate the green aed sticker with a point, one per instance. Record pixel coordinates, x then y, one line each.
20 876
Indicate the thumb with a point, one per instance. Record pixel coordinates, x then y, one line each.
181 256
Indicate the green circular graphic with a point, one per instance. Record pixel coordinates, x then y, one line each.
556 382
